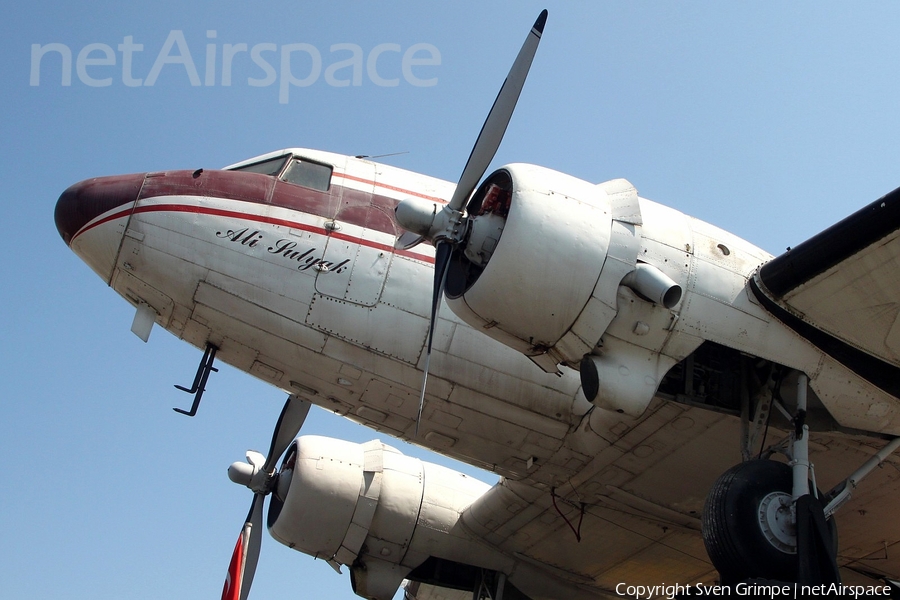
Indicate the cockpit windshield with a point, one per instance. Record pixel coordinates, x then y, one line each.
308 174
299 171
271 166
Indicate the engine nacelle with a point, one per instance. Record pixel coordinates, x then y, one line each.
537 244
373 509
625 378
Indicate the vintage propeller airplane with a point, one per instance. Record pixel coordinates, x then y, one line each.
609 357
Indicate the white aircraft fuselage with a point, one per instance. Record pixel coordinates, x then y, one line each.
288 265
304 289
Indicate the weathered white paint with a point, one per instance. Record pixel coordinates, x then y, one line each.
353 341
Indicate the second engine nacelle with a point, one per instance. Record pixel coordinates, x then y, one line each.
373 509
537 244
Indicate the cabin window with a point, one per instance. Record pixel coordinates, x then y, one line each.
266 167
308 174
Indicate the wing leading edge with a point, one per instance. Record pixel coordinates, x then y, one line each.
841 290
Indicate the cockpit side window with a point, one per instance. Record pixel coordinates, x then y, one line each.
308 174
266 167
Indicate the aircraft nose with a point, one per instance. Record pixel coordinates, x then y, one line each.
90 217
83 202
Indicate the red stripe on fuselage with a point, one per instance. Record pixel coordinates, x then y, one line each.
220 212
390 187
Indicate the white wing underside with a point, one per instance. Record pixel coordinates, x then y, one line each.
643 495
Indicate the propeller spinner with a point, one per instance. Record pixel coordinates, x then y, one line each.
259 474
446 228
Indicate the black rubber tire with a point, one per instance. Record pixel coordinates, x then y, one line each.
731 532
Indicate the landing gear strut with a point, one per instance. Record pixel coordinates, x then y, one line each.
763 521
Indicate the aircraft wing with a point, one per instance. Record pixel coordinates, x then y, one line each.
841 290
631 514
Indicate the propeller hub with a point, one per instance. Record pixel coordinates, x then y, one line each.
416 215
429 220
253 477
242 473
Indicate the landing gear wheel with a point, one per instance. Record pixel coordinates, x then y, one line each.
747 525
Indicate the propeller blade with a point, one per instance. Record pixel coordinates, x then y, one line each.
443 251
408 240
498 118
289 423
260 477
246 554
479 159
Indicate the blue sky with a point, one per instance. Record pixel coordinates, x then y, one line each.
770 119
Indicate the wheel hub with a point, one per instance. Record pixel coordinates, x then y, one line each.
776 519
